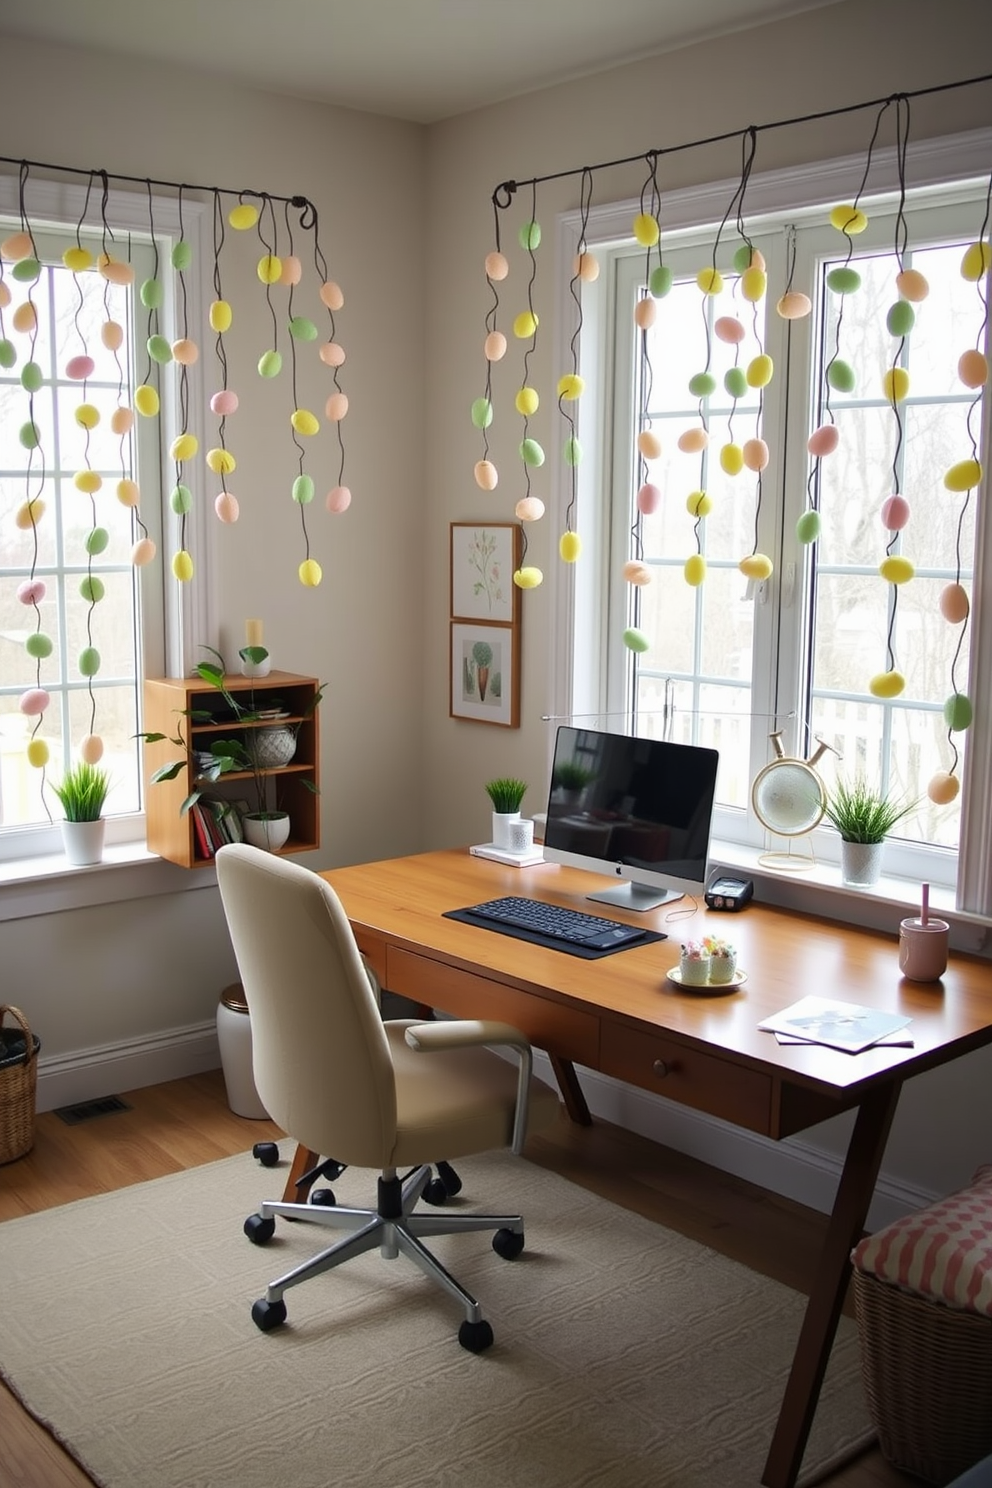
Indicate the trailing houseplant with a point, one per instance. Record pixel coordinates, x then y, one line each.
864 816
82 793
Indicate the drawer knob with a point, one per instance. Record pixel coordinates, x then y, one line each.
661 1068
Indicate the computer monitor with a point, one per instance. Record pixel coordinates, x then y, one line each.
639 808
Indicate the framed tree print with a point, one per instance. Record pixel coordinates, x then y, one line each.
485 673
484 557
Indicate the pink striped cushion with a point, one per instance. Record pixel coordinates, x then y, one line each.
943 1253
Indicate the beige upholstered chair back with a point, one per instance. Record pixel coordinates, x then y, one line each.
321 1060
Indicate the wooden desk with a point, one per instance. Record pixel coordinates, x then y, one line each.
619 1015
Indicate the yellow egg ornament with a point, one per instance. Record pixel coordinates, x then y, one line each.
304 422
38 753
182 566
570 387
731 459
754 282
526 402
310 573
127 493
528 578
243 216
146 400
896 569
569 546
184 447
887 684
269 268
698 504
895 384
694 571
757 566
975 263
963 476
646 229
943 788
848 219
525 325
710 281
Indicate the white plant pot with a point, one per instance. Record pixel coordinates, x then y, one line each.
82 842
270 833
271 748
861 863
502 828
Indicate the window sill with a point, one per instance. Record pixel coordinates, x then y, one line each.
48 884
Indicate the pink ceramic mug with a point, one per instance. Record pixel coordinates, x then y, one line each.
923 949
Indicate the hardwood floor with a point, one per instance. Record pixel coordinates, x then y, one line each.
188 1122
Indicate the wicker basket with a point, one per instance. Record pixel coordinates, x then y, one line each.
927 1372
18 1082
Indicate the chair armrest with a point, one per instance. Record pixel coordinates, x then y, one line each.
464 1033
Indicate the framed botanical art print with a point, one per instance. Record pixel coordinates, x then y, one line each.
484 557
485 673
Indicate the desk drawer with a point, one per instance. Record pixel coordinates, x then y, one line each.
686 1075
373 948
567 1032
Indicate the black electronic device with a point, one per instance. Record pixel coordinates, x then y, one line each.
725 892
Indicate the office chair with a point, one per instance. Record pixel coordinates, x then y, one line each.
384 1095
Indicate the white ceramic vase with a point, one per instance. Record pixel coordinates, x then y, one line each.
861 863
82 841
269 832
503 829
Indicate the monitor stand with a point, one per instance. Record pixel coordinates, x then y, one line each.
636 896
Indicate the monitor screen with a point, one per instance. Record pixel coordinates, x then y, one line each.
637 808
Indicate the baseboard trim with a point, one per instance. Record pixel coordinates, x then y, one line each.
89 1074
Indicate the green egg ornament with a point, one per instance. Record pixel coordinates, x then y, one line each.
840 376
182 257
8 354
957 712
91 588
97 541
844 280
482 413
735 382
660 281
572 451
808 527
302 329
900 319
531 452
635 640
152 294
181 500
89 661
270 364
743 258
159 349
702 385
32 377
38 645
303 490
529 236
26 271
29 435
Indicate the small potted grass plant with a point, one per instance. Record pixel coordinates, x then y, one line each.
506 795
864 816
82 792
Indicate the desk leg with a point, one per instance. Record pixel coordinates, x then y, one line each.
303 1161
571 1091
854 1194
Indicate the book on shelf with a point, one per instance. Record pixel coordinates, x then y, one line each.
204 841
834 1024
222 820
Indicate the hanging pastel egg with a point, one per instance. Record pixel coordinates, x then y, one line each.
844 280
221 461
710 280
887 684
303 490
184 447
332 353
943 788
660 281
754 282
127 492
729 329
531 452
304 422
895 513
5 294
77 259
338 500
25 318
973 369
528 578
896 569
243 216
268 268
975 263
698 504
152 294
823 441
185 351
181 500
112 335
958 712
648 498
694 570
31 591
310 573
29 435
702 384
97 541
27 271
848 219
748 257
226 507
757 566
735 382
38 753
116 272
182 256
301 328
33 702
91 749
87 415
336 407
78 368
38 645
646 230
571 451
8 354
32 377
963 476
486 475
529 236
731 459
182 566
527 401
494 348
497 266
224 402
525 325
793 305
649 445
755 454
635 640
18 245
87 481
270 364
92 589
29 514
88 664
292 270
895 384
332 295
808 528
482 413
691 441
529 509
645 313
900 319
636 572
159 349
954 603
570 547
143 552
760 370
570 387
840 376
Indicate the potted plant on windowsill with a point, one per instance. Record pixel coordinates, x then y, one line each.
506 794
82 792
864 817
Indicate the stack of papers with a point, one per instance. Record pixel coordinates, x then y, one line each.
503 855
838 1025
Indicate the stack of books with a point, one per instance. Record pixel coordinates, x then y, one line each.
215 823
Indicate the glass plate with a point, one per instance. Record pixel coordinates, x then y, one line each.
709 988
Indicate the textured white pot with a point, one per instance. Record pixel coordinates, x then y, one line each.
268 832
861 863
502 835
82 842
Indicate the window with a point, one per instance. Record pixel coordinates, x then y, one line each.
79 481
729 660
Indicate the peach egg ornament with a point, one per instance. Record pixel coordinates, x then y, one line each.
91 749
497 266
648 444
793 305
529 509
691 441
954 603
973 369
226 507
143 552
943 788
586 268
755 454
636 572
486 475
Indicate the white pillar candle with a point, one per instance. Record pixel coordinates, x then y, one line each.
253 632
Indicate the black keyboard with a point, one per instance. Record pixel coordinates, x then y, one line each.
568 925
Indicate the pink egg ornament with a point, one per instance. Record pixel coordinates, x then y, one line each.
78 368
224 402
648 498
728 328
31 591
823 441
226 506
895 513
33 702
338 500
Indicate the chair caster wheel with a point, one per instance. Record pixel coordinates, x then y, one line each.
435 1192
268 1315
450 1179
259 1229
267 1153
324 1197
508 1244
472 1336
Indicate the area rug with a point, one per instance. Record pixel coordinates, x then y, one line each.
624 1354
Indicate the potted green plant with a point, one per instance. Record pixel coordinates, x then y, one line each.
82 792
506 794
569 780
864 816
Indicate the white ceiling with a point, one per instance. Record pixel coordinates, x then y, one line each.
421 60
